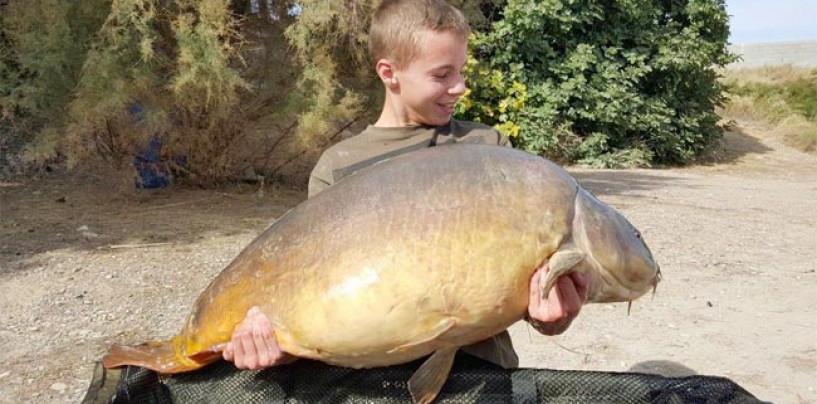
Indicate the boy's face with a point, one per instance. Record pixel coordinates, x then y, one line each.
430 85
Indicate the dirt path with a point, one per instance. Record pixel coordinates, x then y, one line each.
82 268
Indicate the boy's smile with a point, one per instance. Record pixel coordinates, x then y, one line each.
428 88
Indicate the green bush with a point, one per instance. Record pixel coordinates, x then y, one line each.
43 44
614 83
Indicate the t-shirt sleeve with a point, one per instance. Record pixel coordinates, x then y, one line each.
503 140
321 176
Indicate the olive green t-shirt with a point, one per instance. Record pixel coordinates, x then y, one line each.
376 144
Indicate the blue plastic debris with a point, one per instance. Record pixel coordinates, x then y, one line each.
150 172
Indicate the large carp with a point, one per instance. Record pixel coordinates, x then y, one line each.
420 254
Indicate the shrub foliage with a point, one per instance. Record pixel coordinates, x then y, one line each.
602 83
220 83
42 49
209 79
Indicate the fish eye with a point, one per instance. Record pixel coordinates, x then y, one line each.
637 235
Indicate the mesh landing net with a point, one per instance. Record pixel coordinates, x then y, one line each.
471 381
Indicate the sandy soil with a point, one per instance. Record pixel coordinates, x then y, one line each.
83 267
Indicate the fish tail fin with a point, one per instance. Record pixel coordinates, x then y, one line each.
163 357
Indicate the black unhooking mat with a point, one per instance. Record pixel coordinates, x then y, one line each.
471 381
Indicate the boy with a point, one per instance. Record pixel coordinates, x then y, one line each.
420 48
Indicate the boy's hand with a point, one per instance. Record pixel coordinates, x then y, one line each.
552 316
253 345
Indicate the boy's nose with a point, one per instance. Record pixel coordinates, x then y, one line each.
459 87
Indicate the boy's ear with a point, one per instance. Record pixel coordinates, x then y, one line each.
386 71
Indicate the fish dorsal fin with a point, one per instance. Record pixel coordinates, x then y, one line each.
429 379
560 263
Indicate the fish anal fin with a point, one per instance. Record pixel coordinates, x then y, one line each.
425 384
160 357
441 328
560 263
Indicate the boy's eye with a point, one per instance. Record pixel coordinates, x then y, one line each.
447 75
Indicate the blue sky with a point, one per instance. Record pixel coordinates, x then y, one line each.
753 21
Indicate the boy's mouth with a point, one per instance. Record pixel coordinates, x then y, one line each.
448 106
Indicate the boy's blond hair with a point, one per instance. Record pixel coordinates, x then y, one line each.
399 25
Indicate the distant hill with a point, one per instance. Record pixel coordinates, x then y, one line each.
800 53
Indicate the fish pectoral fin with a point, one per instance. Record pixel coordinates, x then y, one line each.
429 379
441 328
560 263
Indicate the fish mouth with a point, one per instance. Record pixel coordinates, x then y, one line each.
656 279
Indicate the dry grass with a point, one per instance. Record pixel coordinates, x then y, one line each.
781 101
